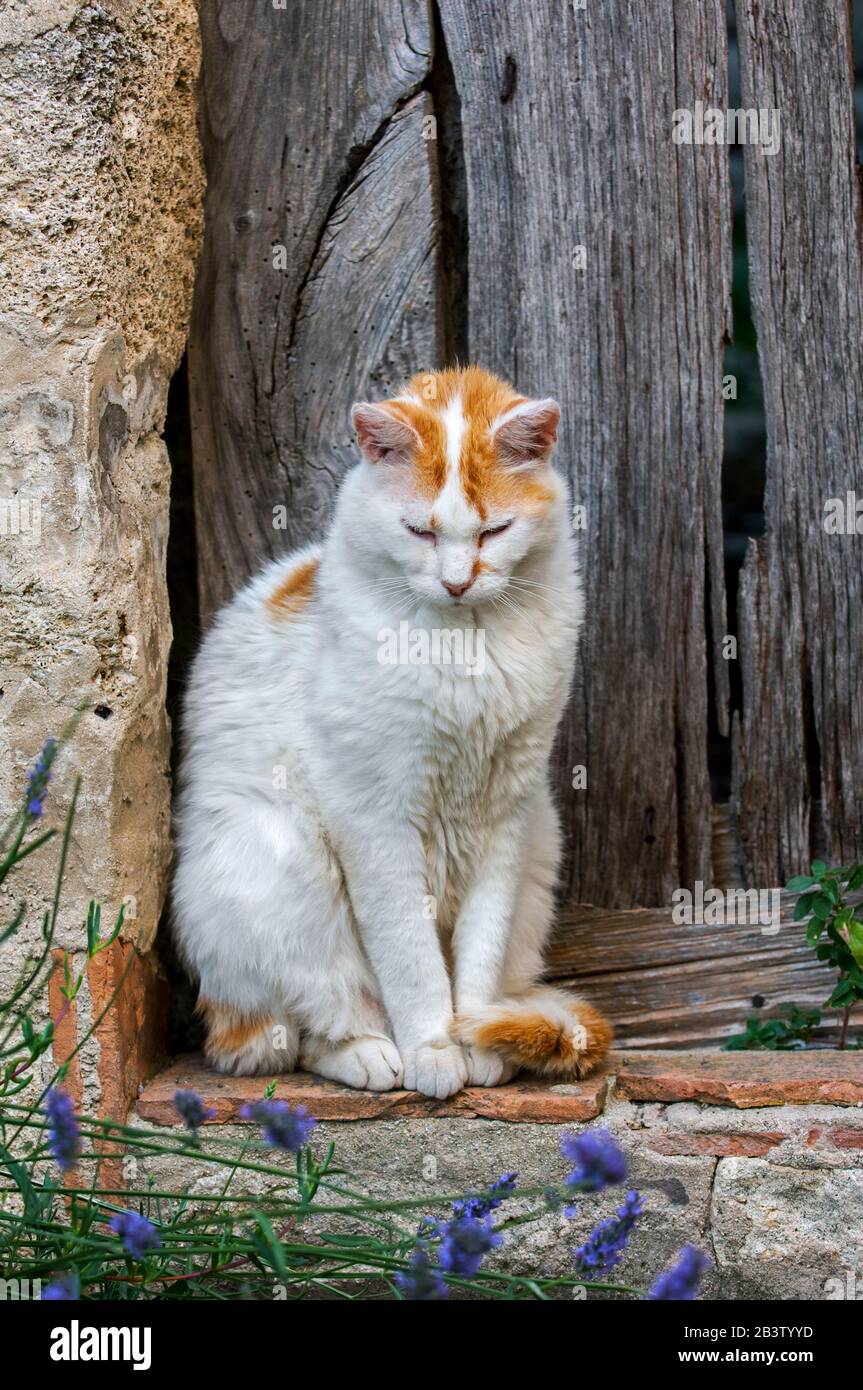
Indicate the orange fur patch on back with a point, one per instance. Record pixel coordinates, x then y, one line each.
295 590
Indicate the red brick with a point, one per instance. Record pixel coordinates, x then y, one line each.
720 1145
741 1079
846 1138
520 1101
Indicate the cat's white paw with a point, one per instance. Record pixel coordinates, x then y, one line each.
435 1069
486 1068
367 1064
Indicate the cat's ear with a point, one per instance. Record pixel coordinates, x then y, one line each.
382 435
525 436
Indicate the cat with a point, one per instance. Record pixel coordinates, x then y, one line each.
367 849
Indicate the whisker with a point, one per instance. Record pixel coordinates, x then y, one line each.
519 582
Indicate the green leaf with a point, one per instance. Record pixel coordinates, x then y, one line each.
14 924
268 1246
819 869
94 918
839 997
855 878
803 906
796 885
822 906
21 1179
334 1238
814 930
855 940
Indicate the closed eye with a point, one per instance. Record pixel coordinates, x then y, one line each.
494 531
423 535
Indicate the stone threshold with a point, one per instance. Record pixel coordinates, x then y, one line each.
739 1080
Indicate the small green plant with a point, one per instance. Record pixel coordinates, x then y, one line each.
835 931
792 1028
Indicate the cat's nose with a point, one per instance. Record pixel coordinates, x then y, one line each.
456 590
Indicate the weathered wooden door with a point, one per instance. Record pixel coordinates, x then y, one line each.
392 184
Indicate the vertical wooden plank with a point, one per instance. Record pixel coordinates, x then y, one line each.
567 133
317 279
802 588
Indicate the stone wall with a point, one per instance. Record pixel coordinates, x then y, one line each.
756 1158
773 1195
101 189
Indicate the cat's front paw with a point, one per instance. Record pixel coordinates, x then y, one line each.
486 1068
367 1064
435 1069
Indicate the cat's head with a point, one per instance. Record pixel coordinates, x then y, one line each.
460 487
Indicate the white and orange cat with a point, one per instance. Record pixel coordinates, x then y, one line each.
367 847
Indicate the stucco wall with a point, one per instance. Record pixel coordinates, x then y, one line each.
101 190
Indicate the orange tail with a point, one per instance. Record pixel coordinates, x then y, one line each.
544 1031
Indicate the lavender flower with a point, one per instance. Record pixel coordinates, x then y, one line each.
605 1245
466 1241
422 1282
137 1233
283 1127
682 1280
599 1161
192 1109
64 1139
502 1187
38 778
66 1288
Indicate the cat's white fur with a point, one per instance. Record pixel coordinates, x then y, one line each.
365 849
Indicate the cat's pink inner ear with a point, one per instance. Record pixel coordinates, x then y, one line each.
382 435
528 433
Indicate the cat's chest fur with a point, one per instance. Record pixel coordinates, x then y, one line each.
451 753
430 728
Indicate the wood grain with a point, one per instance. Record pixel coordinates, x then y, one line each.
567 135
554 133
670 985
311 124
802 589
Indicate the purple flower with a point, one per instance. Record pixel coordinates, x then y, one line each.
283 1127
422 1282
38 778
605 1245
64 1140
682 1280
137 1233
466 1240
502 1187
598 1160
66 1288
192 1109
